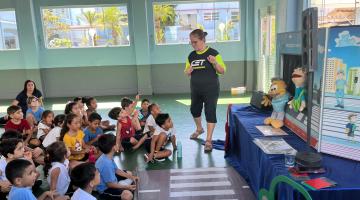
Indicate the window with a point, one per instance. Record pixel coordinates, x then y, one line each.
235 16
211 16
9 39
85 27
337 13
174 21
267 47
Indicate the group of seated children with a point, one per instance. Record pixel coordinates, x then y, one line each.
19 175
156 132
76 155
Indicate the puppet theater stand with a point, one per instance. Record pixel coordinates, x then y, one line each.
334 127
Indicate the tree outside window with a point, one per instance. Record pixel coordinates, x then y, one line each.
86 27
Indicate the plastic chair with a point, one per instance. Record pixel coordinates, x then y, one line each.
270 195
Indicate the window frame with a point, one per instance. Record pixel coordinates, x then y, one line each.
44 36
168 2
17 30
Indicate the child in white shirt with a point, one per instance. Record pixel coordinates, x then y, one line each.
54 134
57 167
45 125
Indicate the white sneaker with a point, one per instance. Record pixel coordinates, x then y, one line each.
159 159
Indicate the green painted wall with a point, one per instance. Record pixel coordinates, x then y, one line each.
141 67
89 81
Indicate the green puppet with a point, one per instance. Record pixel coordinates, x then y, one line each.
298 103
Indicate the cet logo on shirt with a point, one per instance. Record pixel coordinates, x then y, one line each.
198 64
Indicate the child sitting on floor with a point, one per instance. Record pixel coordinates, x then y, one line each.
22 175
73 137
91 104
37 153
54 134
21 125
150 124
86 177
75 108
93 131
45 125
126 136
115 183
34 112
129 105
164 132
56 167
11 149
80 102
144 111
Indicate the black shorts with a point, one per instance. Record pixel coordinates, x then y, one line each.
147 144
85 158
113 194
42 138
207 98
126 142
3 195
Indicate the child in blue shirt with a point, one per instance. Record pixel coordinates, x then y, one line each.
34 111
22 174
93 131
111 178
144 111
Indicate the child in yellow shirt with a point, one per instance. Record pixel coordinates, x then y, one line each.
73 137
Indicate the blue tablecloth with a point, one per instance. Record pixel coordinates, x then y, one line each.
259 168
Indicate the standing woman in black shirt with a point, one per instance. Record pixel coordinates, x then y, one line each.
204 65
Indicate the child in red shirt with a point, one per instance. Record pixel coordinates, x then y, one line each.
21 125
127 128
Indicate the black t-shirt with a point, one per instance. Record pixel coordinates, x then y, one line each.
22 98
204 75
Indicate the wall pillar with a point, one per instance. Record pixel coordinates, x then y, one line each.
141 46
29 45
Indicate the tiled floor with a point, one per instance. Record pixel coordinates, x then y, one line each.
199 183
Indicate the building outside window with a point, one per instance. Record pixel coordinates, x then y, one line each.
337 13
174 21
9 39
